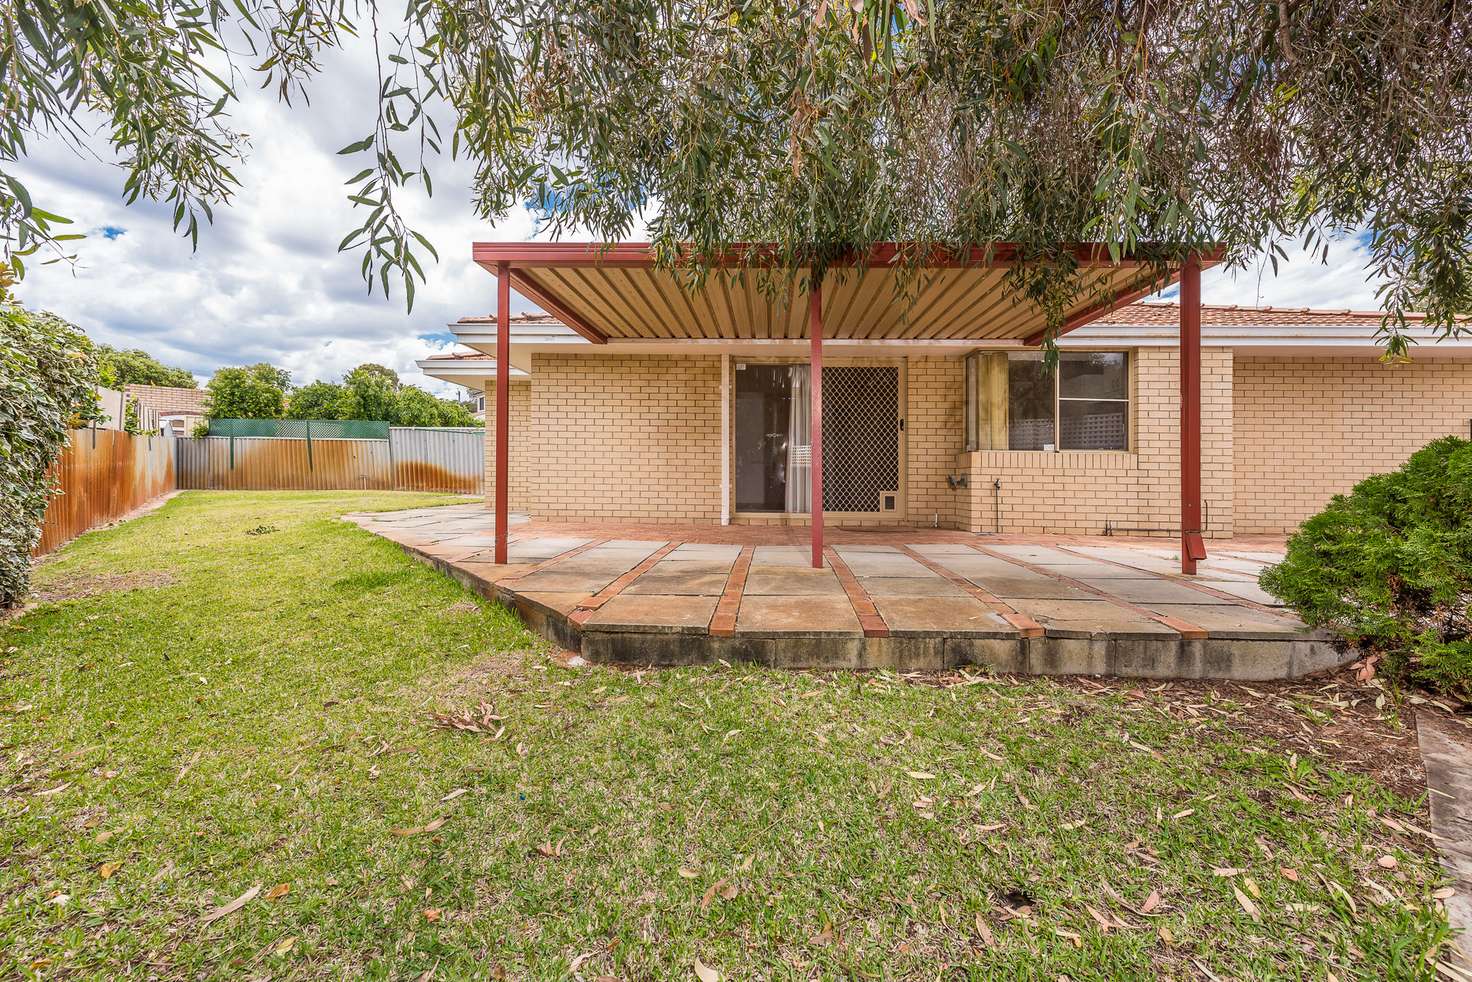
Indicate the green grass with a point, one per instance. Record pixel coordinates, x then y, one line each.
263 719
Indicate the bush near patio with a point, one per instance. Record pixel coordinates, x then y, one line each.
48 375
1388 567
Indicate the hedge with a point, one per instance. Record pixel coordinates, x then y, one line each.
1388 568
48 377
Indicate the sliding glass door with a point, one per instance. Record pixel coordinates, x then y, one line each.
862 434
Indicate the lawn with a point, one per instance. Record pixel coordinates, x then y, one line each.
220 757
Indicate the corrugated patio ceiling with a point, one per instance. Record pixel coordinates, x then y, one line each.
617 292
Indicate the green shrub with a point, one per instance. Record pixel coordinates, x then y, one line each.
1388 568
48 378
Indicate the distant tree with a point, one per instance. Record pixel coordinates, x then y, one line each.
319 400
134 366
415 407
254 392
371 370
453 413
369 395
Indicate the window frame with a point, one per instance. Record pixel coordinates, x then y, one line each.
974 400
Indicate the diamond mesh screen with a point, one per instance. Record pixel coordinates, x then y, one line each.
861 438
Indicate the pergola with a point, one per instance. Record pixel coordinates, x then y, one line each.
884 295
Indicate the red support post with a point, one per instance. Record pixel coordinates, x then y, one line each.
1193 548
815 440
503 404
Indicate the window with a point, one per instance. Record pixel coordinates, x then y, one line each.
1014 403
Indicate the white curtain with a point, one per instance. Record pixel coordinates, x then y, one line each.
799 448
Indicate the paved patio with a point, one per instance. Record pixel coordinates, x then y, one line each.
907 599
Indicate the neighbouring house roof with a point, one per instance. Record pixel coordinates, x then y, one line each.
168 400
1160 312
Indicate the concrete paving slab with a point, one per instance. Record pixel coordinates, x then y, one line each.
706 551
556 581
1153 591
491 572
1038 554
1447 748
846 550
1091 617
677 582
1246 591
783 556
797 616
654 614
972 564
1085 570
1029 586
1138 558
951 616
929 549
1230 621
561 602
910 586
785 581
884 564
630 555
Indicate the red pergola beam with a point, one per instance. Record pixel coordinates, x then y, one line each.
637 255
528 286
503 407
1193 547
815 440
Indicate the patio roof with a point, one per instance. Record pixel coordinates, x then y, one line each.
617 292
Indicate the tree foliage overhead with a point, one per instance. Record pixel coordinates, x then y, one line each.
823 126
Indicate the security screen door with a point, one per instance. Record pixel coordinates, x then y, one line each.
861 438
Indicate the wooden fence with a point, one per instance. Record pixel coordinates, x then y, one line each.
102 475
411 459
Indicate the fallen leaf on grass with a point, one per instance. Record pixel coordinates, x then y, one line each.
1228 871
431 826
481 719
1387 862
1151 902
433 914
921 775
103 836
232 906
1247 905
550 850
705 973
455 794
1289 873
688 873
723 888
285 945
106 870
278 891
1445 893
985 931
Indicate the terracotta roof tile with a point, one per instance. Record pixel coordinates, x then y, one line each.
1150 313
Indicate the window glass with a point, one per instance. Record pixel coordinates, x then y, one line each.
1029 402
1093 375
1092 424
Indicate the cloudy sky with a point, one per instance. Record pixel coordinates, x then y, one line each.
267 282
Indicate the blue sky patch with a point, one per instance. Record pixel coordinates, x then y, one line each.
111 232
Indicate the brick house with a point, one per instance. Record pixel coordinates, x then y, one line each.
949 426
178 409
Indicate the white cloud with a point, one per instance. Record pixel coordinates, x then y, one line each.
1302 280
267 282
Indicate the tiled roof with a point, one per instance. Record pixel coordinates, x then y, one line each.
462 356
1151 313
537 318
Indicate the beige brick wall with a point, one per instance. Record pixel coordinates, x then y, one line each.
934 419
520 448
1078 492
615 437
1309 428
169 400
